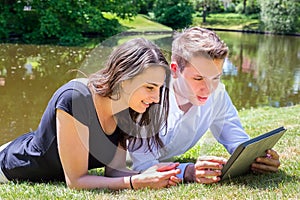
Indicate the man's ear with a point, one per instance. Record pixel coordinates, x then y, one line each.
174 69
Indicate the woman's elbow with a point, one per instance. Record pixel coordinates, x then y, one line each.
73 184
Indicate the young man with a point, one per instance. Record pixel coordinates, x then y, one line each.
198 102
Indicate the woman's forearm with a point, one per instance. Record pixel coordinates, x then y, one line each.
110 172
99 182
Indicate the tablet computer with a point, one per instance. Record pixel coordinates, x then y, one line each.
244 155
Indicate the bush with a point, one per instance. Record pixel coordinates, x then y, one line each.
3 30
65 22
251 8
230 8
146 6
280 16
175 14
239 8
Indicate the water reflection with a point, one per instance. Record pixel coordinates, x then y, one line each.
29 75
296 85
261 70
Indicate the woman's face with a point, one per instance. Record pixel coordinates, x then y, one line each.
144 89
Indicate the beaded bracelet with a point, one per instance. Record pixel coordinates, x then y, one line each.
130 181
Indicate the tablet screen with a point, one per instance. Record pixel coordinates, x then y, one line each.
240 161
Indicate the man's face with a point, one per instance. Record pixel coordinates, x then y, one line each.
198 80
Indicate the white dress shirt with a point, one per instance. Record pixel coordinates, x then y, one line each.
185 129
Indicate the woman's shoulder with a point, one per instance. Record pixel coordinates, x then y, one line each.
75 98
74 88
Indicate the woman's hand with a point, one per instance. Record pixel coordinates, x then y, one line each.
158 176
269 163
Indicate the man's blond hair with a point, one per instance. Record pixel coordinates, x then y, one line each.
197 41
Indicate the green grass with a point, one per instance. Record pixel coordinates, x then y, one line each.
143 24
140 23
231 21
282 185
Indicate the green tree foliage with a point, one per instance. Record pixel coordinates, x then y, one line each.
212 6
248 7
204 7
3 31
174 13
122 8
65 21
3 22
145 6
280 16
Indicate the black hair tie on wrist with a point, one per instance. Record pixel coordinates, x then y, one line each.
130 181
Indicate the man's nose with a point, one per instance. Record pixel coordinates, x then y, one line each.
207 86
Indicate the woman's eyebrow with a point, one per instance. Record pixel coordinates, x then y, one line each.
154 84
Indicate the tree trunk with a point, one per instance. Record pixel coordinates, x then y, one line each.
204 13
244 6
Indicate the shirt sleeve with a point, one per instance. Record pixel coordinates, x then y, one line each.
76 104
182 167
142 158
226 126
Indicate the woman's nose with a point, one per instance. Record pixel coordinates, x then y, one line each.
155 97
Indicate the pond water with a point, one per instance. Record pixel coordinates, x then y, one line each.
262 70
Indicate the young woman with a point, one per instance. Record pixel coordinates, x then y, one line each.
88 124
